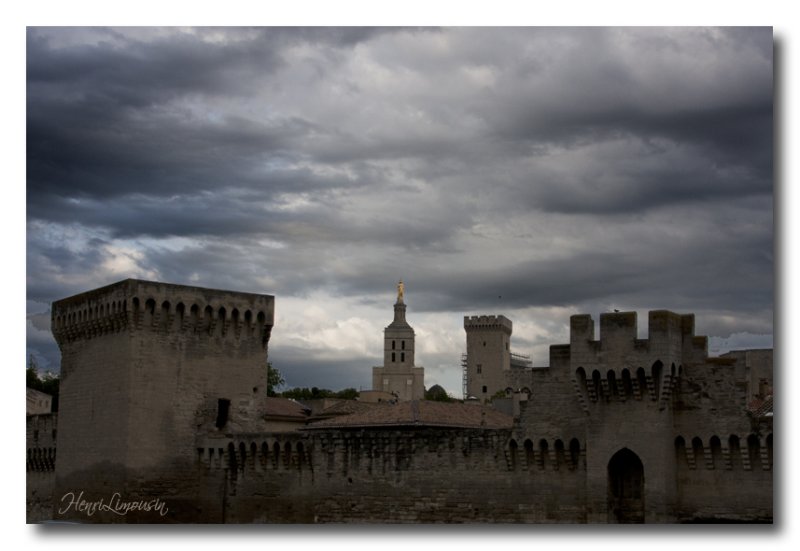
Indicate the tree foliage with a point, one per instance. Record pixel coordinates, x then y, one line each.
315 393
438 394
275 380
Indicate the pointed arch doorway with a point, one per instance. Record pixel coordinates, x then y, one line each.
625 488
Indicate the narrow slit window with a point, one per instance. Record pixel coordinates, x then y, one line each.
223 407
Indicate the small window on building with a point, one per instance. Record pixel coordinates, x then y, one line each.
403 345
393 357
480 368
402 356
393 345
223 407
409 382
386 382
484 389
484 343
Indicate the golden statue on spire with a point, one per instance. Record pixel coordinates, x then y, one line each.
400 290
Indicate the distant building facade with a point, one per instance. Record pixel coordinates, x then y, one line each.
399 376
37 402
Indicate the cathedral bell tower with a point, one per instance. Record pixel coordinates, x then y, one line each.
399 375
398 337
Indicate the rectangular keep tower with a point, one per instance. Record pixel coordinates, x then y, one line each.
488 355
145 367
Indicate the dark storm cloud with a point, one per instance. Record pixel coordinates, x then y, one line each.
301 371
140 72
491 169
162 155
114 117
111 118
720 117
655 180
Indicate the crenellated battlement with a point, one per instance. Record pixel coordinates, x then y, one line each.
656 384
162 308
671 339
500 323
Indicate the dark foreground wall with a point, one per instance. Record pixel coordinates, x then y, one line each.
409 476
440 475
412 475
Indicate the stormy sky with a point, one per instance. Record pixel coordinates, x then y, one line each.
530 172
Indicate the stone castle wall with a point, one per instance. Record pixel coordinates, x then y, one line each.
162 389
41 434
396 476
143 366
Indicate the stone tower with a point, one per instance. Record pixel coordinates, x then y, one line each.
146 365
399 375
488 355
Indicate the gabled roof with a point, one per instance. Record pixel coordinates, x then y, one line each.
285 408
347 407
422 413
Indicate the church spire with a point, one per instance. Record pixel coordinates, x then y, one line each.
400 308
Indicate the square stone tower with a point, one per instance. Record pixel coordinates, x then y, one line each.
488 355
145 367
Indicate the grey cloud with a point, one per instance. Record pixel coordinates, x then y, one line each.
300 371
579 168
41 322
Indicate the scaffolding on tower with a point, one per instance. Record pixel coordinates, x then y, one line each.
464 375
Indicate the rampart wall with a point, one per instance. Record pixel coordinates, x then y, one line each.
396 476
41 434
615 429
654 397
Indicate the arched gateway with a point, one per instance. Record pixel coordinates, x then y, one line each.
625 488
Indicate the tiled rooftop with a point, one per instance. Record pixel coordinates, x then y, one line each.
421 413
285 408
346 407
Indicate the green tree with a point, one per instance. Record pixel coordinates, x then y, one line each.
438 394
347 394
275 380
315 393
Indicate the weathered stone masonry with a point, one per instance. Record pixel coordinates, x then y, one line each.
653 397
162 396
144 366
